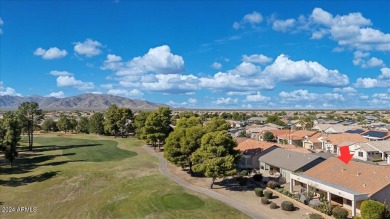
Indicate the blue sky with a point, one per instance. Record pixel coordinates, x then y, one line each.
200 54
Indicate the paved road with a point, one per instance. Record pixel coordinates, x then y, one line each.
229 201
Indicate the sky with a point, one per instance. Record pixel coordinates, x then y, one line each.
201 54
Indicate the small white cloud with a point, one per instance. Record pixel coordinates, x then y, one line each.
345 90
192 101
60 73
239 93
52 53
298 95
375 62
7 91
225 101
113 62
256 58
135 93
89 48
245 69
283 25
216 65
70 81
257 98
106 86
252 19
383 80
58 94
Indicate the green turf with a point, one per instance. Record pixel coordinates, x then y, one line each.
86 150
123 181
182 201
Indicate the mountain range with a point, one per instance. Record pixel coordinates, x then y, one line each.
79 102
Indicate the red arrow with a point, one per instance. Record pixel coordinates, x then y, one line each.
345 155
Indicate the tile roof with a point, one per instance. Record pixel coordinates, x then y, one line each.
253 144
297 135
337 139
357 176
287 159
377 145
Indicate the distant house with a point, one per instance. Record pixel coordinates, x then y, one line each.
281 163
274 131
313 142
346 184
331 142
339 128
295 137
372 150
256 120
251 151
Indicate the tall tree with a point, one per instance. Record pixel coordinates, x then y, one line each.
63 123
216 157
126 117
72 124
139 124
29 115
82 125
96 123
10 130
111 118
49 125
216 124
157 126
184 141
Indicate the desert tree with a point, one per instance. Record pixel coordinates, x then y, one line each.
29 115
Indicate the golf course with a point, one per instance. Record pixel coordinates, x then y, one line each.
92 176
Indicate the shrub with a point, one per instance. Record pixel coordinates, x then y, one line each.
242 181
372 209
257 177
244 173
273 205
324 207
264 200
315 216
340 213
287 206
286 192
259 192
272 184
268 194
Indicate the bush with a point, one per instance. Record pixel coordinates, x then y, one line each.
340 213
280 190
264 200
244 173
272 184
268 194
315 216
372 209
273 205
287 206
257 177
286 192
259 192
242 181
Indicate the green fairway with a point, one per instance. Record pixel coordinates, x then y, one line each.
88 176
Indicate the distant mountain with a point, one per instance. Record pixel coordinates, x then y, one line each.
80 102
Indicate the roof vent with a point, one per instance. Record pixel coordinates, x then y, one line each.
288 156
357 173
342 169
364 185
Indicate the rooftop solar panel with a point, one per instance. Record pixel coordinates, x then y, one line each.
375 134
356 131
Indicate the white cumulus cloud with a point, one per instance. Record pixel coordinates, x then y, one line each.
60 73
257 98
216 65
252 19
58 94
134 93
51 53
7 91
256 58
283 25
225 101
88 48
383 80
70 81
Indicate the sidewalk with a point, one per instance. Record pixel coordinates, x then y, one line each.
244 201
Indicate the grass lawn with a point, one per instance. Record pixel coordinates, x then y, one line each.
88 176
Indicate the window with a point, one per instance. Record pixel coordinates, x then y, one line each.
349 202
360 154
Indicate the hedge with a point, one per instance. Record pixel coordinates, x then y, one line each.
371 209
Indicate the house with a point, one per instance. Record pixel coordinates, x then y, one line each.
376 135
295 137
251 151
313 142
275 132
281 163
321 127
256 120
346 184
372 150
331 142
339 128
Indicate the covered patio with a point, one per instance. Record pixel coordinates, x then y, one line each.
347 198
